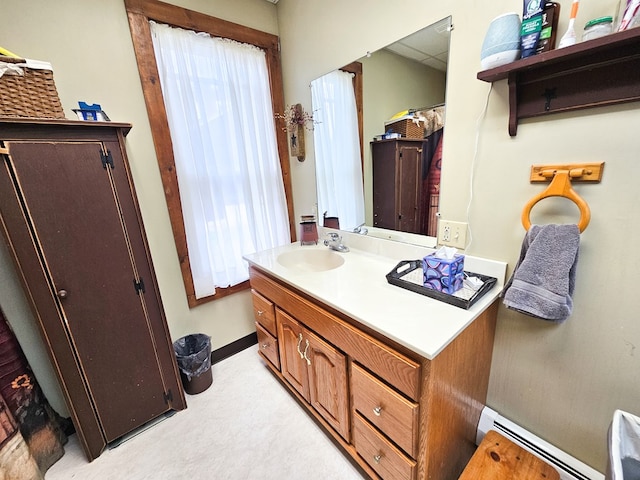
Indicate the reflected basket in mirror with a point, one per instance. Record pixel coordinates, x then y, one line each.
405 126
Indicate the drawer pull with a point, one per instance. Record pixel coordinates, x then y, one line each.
265 346
305 353
260 313
377 410
298 346
377 458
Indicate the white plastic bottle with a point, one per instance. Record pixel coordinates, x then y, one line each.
569 38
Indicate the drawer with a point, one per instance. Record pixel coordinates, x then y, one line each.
386 409
264 312
388 462
268 345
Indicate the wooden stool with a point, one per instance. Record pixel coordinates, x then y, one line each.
498 458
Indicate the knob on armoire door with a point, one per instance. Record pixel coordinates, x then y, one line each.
62 293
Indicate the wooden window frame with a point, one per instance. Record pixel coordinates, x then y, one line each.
140 12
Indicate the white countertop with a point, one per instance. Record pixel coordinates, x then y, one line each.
359 289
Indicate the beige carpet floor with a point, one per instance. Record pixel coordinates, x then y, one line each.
245 426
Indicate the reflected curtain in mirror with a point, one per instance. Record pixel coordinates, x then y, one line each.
218 102
337 149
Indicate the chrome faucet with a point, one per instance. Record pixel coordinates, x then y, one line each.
334 242
361 229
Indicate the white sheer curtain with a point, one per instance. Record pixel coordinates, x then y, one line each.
218 103
337 149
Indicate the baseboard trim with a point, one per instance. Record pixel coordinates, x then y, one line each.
234 347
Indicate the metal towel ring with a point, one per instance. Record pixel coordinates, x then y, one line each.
560 187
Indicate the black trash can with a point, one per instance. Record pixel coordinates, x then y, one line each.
193 354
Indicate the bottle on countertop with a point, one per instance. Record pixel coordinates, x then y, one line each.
308 230
550 16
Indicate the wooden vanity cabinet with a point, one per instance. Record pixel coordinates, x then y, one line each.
71 221
399 415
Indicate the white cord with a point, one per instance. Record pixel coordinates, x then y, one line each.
473 163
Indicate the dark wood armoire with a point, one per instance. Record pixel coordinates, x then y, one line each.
398 202
71 220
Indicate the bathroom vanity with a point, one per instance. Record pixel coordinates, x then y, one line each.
397 379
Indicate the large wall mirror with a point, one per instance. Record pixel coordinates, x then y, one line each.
390 184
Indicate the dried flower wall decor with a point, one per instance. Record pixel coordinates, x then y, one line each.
296 120
294 116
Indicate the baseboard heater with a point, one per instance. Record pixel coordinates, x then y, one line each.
567 466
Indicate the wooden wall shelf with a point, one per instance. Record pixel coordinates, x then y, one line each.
603 71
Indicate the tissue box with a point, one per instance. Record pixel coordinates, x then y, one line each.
443 274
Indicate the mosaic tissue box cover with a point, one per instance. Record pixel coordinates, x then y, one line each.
443 274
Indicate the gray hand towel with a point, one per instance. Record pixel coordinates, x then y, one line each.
544 278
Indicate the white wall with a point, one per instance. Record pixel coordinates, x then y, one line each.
563 382
560 381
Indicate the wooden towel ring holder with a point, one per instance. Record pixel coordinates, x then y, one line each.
560 187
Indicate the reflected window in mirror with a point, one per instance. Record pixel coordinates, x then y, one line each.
338 147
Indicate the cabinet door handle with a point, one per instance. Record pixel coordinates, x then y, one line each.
377 458
298 346
305 353
62 294
377 410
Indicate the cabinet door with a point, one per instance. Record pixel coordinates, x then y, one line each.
327 368
292 345
384 184
408 188
88 257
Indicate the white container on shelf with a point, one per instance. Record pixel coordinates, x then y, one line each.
501 43
598 27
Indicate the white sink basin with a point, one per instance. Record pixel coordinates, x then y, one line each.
310 260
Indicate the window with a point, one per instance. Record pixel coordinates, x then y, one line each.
140 12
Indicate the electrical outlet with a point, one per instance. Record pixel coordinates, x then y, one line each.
452 234
446 232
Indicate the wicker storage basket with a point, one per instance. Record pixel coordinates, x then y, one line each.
31 95
405 127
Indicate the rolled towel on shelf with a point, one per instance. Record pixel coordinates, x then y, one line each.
543 280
